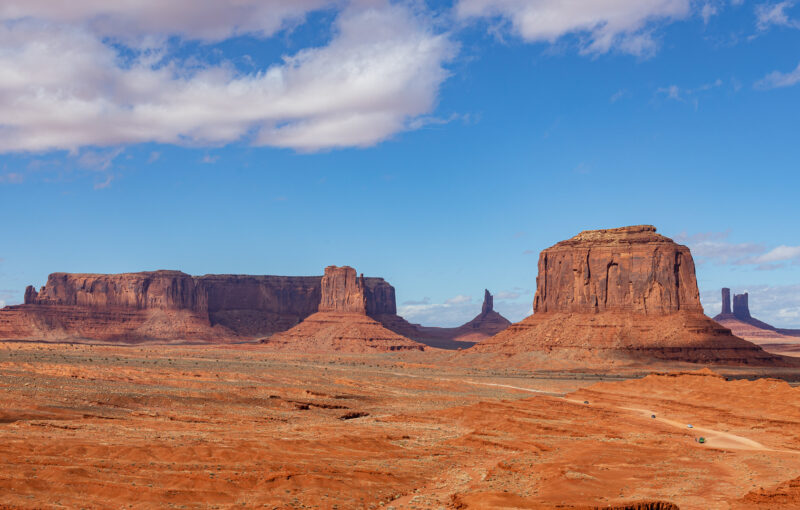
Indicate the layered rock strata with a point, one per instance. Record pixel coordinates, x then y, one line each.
621 293
342 323
125 307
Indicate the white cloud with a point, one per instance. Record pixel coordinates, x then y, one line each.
768 15
603 24
453 312
210 20
459 300
777 79
779 254
714 246
62 86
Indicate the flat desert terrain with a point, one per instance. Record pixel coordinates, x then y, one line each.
85 426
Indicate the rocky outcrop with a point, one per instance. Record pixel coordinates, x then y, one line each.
621 293
726 301
122 307
342 323
741 306
631 269
488 303
343 291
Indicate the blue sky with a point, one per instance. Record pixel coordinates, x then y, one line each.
440 145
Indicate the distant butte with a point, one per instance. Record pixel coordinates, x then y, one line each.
623 293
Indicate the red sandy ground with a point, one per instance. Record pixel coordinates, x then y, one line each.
218 427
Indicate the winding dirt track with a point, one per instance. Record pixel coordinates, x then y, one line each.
713 438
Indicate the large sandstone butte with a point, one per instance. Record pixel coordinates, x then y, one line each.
744 325
171 306
342 323
621 293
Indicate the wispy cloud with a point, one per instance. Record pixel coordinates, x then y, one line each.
687 95
714 247
777 79
601 25
774 14
12 178
104 184
99 160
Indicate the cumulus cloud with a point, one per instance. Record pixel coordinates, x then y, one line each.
210 20
777 79
64 86
603 25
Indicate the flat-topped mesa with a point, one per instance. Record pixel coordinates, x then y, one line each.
162 290
343 291
488 302
628 269
620 294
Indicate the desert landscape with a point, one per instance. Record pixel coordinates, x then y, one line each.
399 254
124 391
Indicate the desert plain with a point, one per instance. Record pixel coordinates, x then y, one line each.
102 426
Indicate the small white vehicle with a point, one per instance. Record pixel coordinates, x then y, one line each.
689 426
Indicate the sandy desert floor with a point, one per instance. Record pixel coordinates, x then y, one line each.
217 427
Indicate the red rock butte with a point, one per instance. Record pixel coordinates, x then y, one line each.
621 293
172 306
342 323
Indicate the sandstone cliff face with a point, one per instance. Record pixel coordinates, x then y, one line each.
119 306
164 290
631 268
343 291
621 293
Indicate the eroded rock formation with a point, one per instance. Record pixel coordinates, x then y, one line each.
631 269
741 306
170 305
342 323
621 293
